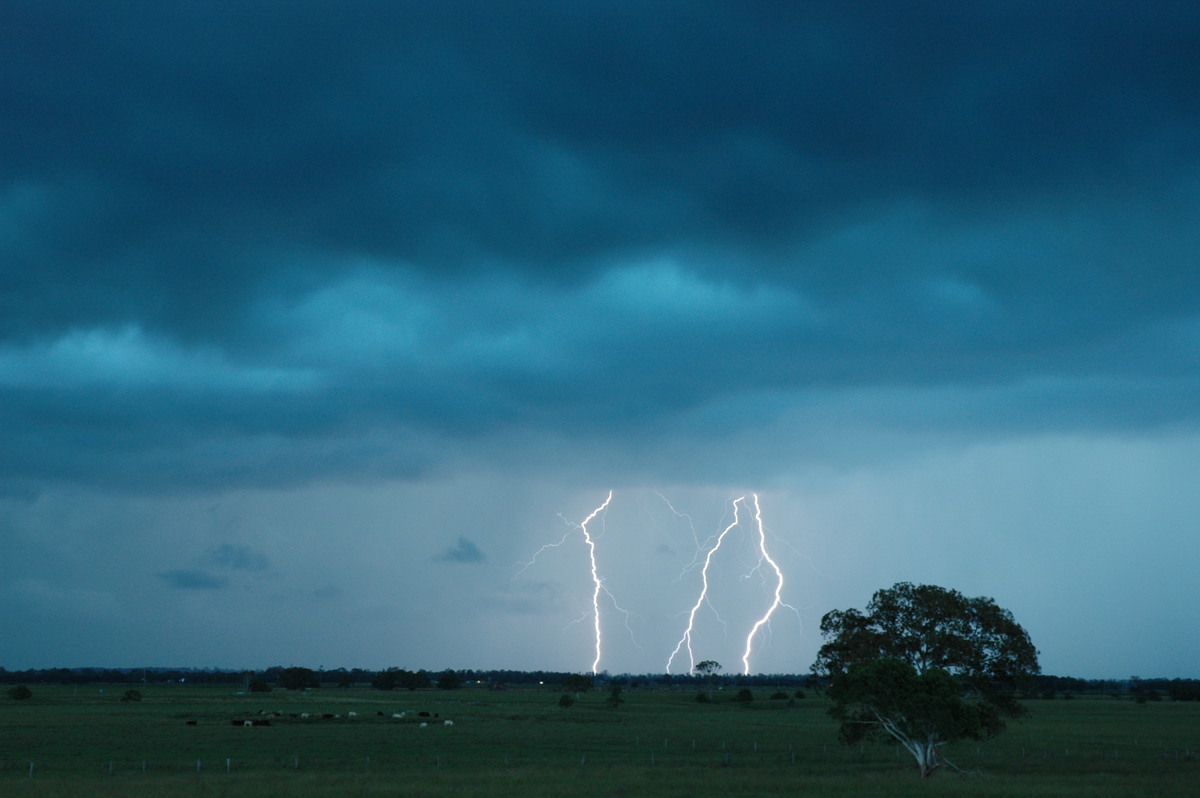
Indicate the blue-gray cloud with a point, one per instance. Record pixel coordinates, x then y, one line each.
463 550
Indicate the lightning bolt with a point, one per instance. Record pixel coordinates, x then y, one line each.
525 565
691 528
765 620
686 640
598 585
597 582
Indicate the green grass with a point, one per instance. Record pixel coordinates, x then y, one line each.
520 742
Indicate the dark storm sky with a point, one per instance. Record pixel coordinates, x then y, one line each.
333 307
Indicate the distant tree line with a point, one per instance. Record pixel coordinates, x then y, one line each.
395 678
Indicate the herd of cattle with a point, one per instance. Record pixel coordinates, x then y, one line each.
423 719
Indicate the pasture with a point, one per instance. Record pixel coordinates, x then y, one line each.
71 742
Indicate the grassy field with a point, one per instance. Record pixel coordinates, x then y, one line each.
83 742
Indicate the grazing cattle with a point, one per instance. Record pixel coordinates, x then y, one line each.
447 723
423 724
304 715
263 722
327 715
422 714
248 722
398 715
380 714
352 714
191 723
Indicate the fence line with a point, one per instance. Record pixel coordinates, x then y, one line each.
691 753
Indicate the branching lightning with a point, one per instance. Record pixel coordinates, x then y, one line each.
686 640
710 548
765 620
597 583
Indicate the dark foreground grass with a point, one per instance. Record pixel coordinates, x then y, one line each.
520 742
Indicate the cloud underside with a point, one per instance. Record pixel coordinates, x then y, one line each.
366 240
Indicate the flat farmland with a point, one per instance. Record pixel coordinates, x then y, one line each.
182 741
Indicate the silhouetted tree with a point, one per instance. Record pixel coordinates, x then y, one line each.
298 679
708 669
925 666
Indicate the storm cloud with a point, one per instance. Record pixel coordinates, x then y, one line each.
278 282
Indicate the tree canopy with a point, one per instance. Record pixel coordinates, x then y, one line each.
925 666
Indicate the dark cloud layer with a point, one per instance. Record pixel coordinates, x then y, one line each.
283 246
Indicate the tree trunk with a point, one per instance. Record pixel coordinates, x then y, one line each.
927 760
926 755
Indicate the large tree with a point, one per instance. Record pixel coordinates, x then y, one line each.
925 666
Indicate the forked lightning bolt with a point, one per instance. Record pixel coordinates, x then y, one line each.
686 640
597 583
765 620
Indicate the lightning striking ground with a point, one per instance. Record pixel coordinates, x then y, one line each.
765 620
686 640
703 597
598 585
597 582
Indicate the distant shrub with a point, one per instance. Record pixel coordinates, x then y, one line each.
131 696
779 696
798 694
20 692
565 700
259 686
702 698
745 695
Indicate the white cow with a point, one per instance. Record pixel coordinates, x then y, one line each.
447 723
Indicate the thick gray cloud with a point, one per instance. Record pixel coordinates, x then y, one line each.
291 247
